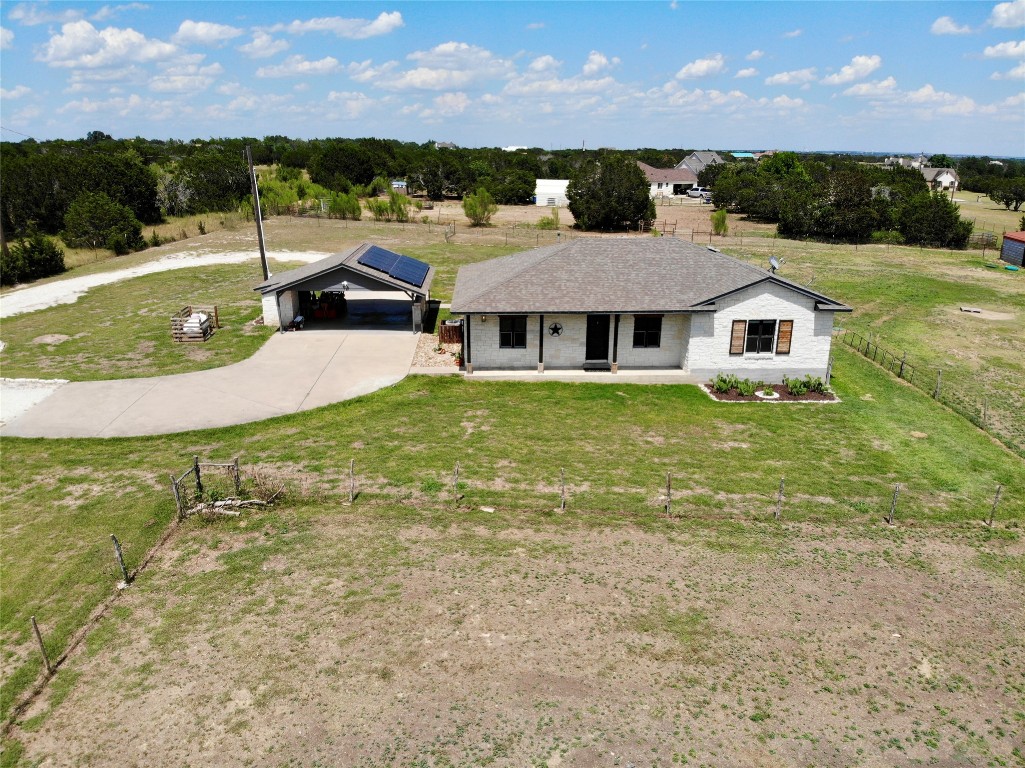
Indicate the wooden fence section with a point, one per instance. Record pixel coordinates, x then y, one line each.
185 494
183 333
450 333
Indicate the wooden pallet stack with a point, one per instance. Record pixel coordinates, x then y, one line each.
193 324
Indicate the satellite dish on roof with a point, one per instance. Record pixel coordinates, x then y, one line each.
775 264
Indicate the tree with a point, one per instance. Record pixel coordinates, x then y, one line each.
212 179
708 175
941 161
96 221
932 219
31 257
610 193
1010 193
479 208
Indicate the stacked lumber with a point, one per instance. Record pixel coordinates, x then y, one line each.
190 326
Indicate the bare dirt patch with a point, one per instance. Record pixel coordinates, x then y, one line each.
363 642
51 339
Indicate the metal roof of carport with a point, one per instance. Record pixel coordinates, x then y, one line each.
346 260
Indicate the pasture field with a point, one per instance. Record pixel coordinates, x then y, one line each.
415 628
62 499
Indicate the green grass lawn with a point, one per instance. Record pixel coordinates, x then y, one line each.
123 330
62 499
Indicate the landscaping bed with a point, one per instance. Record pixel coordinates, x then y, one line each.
730 388
782 395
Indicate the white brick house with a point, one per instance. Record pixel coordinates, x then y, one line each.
632 303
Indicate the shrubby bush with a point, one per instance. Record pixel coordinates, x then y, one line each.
31 257
96 221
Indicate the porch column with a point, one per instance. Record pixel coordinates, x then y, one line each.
467 346
615 345
541 344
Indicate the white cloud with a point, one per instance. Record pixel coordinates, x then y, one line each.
874 89
747 72
793 77
32 14
525 86
1012 49
296 66
786 102
713 65
793 33
596 62
204 33
352 102
80 44
859 68
544 63
755 55
123 106
1008 15
449 104
945 25
1018 73
6 38
352 29
110 11
536 25
263 46
448 66
15 93
185 79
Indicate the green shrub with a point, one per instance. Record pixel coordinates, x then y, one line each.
887 236
720 223
549 222
814 384
479 208
746 387
795 387
723 383
31 257
94 220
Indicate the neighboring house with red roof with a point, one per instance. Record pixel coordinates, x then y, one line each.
668 182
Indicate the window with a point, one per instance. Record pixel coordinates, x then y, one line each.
760 335
647 331
512 332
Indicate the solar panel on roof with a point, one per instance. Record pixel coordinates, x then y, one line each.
379 259
409 271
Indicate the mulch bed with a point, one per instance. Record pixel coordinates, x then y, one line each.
733 396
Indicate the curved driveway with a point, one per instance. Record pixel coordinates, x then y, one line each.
291 372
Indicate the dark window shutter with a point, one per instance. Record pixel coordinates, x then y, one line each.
786 330
737 338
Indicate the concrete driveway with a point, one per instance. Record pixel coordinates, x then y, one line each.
291 372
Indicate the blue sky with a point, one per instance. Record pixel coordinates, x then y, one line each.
869 76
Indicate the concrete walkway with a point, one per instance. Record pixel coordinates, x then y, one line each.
292 372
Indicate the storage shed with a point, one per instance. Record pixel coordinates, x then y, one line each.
551 192
367 285
1013 249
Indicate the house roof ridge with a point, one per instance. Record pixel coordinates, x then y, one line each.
555 249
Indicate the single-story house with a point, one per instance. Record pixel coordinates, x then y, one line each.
668 182
366 285
551 192
697 161
621 303
1013 248
941 178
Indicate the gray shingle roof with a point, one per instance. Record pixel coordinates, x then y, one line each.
672 175
344 260
607 275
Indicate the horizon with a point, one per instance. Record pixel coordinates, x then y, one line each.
785 75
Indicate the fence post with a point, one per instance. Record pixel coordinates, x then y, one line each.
779 500
42 648
177 497
199 480
237 478
903 361
829 370
936 390
120 559
455 481
893 503
993 509
352 480
562 493
669 494
985 403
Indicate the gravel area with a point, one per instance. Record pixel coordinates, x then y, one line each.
430 354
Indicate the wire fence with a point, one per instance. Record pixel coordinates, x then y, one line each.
988 416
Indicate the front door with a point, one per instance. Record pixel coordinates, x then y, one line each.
597 337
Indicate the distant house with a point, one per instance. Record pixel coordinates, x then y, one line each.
906 162
636 303
444 145
668 182
551 192
941 178
697 161
1013 249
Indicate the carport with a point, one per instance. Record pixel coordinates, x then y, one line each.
366 287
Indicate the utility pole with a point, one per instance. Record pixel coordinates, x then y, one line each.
257 213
